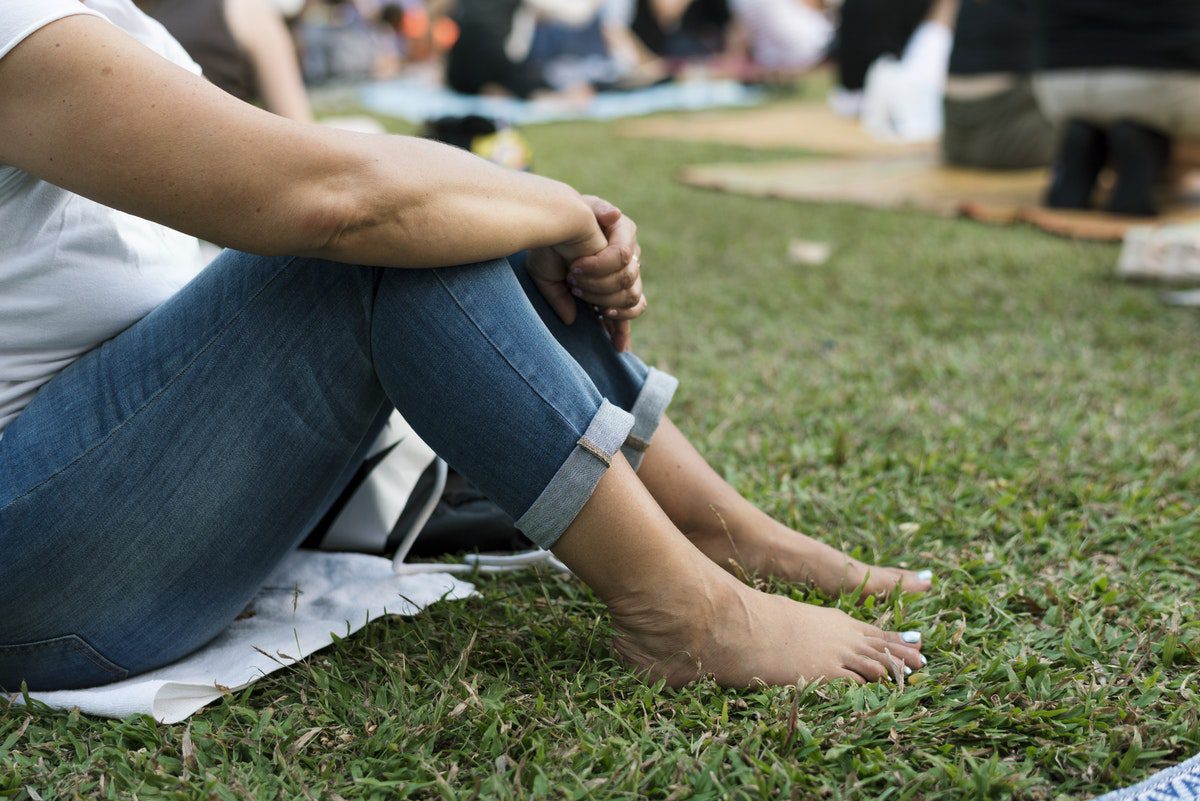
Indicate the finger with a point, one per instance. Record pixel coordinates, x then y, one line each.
620 332
626 314
623 233
606 213
622 241
622 336
615 281
559 296
611 259
624 299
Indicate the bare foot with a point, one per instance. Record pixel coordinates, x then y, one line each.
743 539
746 540
742 637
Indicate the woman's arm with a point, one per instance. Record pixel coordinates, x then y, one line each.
85 106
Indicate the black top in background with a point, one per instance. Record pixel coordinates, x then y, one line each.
1145 34
995 36
871 28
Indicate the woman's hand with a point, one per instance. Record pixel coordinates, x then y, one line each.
608 279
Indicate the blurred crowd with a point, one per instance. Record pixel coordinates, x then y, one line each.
1004 84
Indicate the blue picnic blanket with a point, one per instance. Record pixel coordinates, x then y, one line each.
417 102
1178 783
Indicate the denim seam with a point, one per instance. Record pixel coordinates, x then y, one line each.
576 478
81 647
92 655
169 383
595 450
500 352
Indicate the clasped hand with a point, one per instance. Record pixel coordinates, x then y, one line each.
609 280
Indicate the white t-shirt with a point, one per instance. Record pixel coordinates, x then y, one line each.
74 273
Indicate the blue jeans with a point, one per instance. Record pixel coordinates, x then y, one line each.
150 488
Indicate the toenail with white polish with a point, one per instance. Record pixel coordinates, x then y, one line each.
910 636
924 660
924 575
907 670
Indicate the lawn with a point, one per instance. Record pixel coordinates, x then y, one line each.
986 402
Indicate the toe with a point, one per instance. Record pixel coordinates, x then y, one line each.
870 668
909 639
848 674
879 580
916 581
910 656
883 580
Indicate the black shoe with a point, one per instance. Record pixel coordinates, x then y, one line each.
1141 156
1081 155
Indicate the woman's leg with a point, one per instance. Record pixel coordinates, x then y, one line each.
149 489
680 617
712 514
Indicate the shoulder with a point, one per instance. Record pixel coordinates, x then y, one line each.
20 19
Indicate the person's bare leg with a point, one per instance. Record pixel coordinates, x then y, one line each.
737 535
680 617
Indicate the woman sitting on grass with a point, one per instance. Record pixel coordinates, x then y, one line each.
169 436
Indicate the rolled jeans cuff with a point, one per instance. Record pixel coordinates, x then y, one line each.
648 411
576 480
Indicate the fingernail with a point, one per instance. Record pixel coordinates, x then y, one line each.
577 270
907 670
924 660
610 313
924 575
911 636
571 280
577 292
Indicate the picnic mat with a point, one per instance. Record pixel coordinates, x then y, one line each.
310 598
810 125
417 101
1178 783
920 182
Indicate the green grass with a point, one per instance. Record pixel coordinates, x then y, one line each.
986 402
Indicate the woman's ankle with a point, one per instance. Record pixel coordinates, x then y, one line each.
673 629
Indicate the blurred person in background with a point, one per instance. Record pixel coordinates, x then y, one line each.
243 46
902 97
673 29
426 28
991 116
784 35
339 41
496 37
1122 80
868 29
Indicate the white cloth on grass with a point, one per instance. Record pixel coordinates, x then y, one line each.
310 598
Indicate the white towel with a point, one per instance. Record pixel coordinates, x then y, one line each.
309 598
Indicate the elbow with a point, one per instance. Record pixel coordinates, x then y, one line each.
332 218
